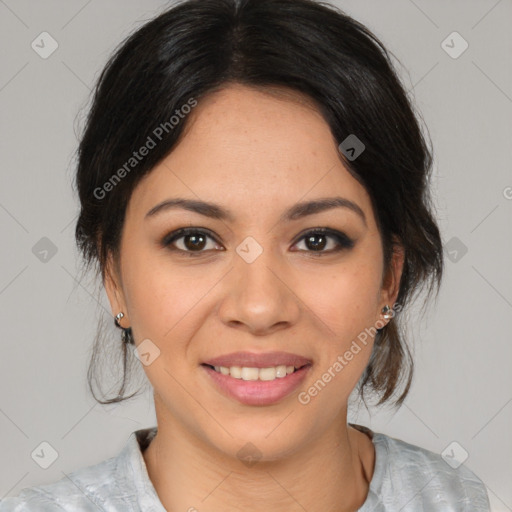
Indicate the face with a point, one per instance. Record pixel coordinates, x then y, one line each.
266 276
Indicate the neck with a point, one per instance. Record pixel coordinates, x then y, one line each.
331 473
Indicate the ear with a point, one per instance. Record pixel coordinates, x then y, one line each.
114 289
391 281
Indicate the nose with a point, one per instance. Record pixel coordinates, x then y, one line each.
258 297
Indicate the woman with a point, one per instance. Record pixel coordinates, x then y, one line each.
253 187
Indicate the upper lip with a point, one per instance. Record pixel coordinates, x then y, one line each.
258 360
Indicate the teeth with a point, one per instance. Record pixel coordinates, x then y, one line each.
245 373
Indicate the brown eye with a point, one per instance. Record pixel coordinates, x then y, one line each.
316 242
194 242
320 239
189 240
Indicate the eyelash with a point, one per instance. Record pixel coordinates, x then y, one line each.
343 241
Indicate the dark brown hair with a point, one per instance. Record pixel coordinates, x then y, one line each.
198 46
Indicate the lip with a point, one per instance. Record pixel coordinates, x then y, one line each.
259 360
256 392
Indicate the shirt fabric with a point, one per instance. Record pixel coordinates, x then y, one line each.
406 478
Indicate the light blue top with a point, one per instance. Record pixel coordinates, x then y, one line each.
406 478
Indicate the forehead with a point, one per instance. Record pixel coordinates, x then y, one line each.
254 151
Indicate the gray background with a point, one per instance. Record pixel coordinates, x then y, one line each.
463 347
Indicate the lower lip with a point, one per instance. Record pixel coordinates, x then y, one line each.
258 392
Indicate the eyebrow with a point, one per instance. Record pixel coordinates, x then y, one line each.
297 211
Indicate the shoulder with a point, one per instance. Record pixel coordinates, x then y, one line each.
418 479
85 489
102 486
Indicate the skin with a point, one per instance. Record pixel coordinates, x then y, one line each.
255 153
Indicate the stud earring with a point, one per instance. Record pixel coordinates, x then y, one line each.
387 312
126 335
117 318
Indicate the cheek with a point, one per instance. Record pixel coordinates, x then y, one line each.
154 294
345 351
160 301
345 302
345 299
166 305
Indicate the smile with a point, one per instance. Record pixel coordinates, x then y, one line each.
246 373
256 386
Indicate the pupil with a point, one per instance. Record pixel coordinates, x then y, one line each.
191 241
312 245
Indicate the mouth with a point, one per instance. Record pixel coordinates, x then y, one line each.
248 373
256 386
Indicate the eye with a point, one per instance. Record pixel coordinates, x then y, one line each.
318 239
189 240
194 241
